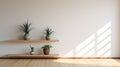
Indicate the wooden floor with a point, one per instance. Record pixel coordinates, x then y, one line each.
59 62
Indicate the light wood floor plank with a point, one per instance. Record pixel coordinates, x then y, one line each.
59 62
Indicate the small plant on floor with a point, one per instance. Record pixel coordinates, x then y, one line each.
48 33
46 49
26 28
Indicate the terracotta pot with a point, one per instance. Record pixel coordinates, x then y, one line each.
26 37
46 51
47 37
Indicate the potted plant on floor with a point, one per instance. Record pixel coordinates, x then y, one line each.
46 49
48 32
26 28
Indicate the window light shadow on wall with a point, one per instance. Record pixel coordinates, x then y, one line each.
98 44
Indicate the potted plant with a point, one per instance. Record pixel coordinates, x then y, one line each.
26 28
31 50
46 49
48 32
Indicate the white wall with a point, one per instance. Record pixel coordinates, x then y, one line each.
84 27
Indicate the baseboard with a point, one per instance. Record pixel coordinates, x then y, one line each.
89 57
59 57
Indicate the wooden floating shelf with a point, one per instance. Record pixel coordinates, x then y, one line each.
32 56
32 41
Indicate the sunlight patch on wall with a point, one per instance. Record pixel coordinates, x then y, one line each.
98 44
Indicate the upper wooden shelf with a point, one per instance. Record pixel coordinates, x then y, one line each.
32 41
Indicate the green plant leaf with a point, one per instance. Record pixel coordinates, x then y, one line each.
26 27
47 46
48 31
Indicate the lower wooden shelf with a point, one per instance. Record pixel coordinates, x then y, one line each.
32 56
